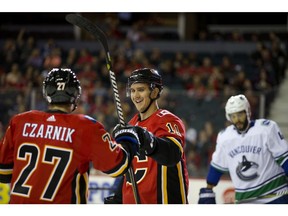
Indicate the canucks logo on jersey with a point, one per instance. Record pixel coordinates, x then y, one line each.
247 170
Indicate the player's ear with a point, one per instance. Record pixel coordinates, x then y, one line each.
154 93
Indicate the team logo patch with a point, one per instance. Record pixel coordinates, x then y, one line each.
247 170
266 122
51 118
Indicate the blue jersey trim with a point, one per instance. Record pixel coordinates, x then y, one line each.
90 118
285 167
213 176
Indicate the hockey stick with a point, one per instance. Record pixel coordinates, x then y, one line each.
90 27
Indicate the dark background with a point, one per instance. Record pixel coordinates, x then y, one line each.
204 18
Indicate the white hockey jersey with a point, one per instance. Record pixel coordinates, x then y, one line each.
253 160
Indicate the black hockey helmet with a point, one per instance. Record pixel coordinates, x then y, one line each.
61 86
145 75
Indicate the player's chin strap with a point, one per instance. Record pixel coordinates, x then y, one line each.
151 100
74 106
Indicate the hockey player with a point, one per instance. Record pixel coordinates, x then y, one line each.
160 167
255 154
46 155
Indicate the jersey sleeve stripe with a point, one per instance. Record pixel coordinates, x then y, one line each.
181 179
5 178
282 158
119 169
81 180
222 169
6 172
177 143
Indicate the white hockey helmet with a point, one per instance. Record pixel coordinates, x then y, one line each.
237 103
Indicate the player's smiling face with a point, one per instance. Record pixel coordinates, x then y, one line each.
140 96
239 119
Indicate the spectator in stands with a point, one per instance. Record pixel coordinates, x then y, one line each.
84 57
266 62
203 145
227 69
196 88
185 73
203 35
126 48
256 54
177 59
209 128
236 36
191 136
19 106
113 29
206 68
98 101
31 78
120 64
47 47
263 83
53 59
210 131
88 73
193 161
136 33
10 54
71 58
239 80
279 58
155 57
27 48
35 59
168 71
215 83
14 77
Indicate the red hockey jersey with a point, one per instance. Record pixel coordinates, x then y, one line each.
157 183
46 156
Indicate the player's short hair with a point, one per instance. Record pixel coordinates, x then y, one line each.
61 86
146 75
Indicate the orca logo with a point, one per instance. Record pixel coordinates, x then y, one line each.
247 170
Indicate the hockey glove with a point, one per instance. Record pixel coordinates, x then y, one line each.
127 137
147 140
206 196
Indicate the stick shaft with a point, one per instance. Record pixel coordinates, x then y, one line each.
86 24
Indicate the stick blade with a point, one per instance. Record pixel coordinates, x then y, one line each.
86 24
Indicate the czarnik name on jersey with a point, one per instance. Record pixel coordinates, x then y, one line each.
245 149
48 132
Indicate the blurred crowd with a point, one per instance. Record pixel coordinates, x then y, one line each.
196 78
